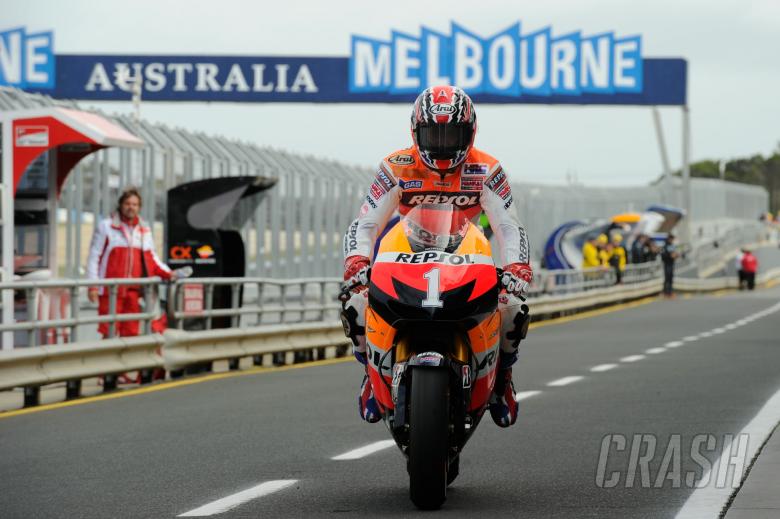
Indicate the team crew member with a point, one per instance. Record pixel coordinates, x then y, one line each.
122 247
443 167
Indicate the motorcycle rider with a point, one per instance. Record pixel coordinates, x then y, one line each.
442 167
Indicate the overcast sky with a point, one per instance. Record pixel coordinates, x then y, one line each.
731 47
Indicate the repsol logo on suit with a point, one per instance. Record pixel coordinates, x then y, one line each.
458 199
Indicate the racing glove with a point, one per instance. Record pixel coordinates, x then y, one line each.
356 271
516 278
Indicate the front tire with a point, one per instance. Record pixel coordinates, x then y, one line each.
428 437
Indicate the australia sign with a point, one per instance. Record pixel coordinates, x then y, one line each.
511 66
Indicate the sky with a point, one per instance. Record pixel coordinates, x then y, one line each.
731 47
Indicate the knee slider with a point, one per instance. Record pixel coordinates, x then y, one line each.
521 321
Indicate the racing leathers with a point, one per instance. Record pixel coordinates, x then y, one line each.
122 249
478 184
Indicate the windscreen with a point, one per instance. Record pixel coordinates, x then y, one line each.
439 227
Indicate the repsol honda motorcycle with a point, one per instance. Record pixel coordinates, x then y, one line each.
432 333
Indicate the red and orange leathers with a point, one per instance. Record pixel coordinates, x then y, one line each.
474 265
403 181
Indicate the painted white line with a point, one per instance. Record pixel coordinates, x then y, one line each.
711 498
522 395
730 326
565 381
655 351
691 338
704 335
228 503
674 344
742 322
718 330
632 358
603 367
364 451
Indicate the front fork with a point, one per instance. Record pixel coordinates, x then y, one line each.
461 381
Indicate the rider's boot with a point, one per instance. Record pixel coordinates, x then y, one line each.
503 406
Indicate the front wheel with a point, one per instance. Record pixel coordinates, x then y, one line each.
428 437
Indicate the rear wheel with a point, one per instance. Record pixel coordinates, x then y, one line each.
428 437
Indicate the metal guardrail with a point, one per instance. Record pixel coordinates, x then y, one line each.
64 295
175 349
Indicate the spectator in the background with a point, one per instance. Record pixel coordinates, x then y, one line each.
749 268
617 258
669 255
605 250
590 253
738 266
640 249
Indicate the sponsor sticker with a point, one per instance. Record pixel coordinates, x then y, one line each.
475 168
504 190
32 136
410 184
193 299
385 180
401 160
471 184
442 184
496 179
458 199
441 109
205 251
370 202
376 191
508 203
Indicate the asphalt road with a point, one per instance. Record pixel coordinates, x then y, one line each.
168 452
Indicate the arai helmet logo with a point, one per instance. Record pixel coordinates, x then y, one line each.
441 109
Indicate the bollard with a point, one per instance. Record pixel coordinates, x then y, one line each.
109 383
72 389
32 396
146 376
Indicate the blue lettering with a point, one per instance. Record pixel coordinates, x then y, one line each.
535 63
436 58
502 62
509 63
565 64
369 65
26 60
406 72
627 64
596 64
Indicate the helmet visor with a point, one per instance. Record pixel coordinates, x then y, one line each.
444 141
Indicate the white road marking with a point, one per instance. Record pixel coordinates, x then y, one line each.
742 322
704 335
565 381
603 367
228 503
711 499
632 358
718 330
674 344
655 351
730 326
691 338
362 452
522 395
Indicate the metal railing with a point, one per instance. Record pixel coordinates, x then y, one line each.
265 300
32 298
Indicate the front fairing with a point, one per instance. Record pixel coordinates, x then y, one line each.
408 286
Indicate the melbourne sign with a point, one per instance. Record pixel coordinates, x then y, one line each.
512 66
